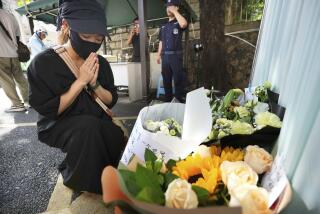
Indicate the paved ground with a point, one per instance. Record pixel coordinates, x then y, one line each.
28 169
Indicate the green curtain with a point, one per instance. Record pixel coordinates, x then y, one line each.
288 55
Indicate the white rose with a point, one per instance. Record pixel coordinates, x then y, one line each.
151 126
203 151
180 195
258 158
253 199
234 174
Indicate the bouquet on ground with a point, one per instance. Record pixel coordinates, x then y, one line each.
168 126
234 115
208 177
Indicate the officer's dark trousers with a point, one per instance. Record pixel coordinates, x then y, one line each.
172 67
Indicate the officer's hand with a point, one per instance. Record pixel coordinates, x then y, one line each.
88 69
173 9
159 59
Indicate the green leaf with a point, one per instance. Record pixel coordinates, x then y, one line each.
149 165
145 177
169 177
202 194
170 164
149 156
130 182
157 166
228 99
160 179
151 195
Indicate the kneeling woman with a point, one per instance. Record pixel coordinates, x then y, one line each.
69 118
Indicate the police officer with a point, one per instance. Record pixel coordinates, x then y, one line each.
170 51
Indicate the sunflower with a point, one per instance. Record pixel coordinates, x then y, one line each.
231 154
206 168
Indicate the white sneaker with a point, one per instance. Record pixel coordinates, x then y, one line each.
19 108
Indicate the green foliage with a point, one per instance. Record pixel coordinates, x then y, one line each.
202 194
150 195
169 177
170 164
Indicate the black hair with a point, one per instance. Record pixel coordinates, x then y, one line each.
135 19
0 4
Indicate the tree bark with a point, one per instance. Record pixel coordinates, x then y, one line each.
212 36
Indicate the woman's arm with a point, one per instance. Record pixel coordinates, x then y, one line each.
88 71
69 97
103 84
129 42
104 95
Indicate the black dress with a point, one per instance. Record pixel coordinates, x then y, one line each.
83 130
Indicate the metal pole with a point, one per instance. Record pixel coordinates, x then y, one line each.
145 69
31 25
104 43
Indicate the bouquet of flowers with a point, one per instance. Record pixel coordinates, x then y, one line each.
168 126
233 115
208 177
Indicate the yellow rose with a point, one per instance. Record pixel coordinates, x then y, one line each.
234 174
258 158
253 199
180 195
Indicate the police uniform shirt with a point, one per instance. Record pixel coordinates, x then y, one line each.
171 36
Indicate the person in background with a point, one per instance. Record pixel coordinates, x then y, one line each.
36 44
170 51
134 39
69 117
11 74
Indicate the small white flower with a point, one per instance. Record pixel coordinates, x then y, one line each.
151 126
180 195
165 130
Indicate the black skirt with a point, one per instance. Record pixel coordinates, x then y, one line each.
90 144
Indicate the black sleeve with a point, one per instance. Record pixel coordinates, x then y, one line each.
106 80
42 95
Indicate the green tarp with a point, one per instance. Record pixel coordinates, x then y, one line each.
118 12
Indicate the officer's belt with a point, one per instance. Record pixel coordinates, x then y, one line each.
172 52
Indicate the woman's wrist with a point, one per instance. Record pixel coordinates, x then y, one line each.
80 83
95 86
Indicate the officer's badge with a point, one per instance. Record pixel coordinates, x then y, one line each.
175 31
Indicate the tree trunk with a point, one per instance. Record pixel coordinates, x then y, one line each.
229 12
212 36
